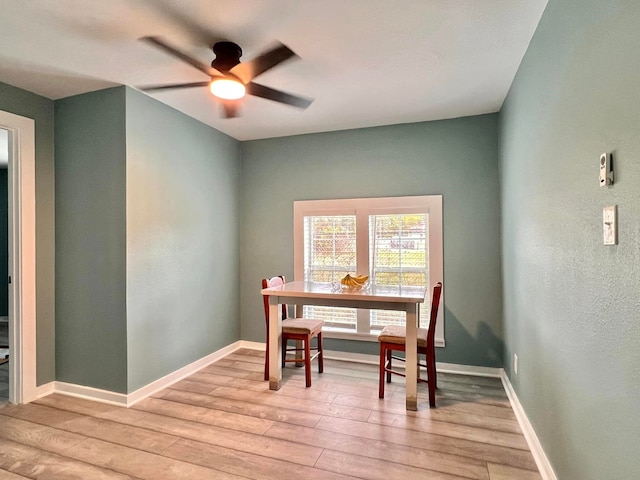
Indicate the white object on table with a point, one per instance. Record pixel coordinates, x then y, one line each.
407 299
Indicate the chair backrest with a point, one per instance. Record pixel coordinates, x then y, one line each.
269 283
435 304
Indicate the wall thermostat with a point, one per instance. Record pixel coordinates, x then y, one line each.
606 169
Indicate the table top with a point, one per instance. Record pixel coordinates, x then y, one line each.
301 289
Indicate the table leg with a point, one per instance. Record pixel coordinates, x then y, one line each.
275 344
412 357
299 344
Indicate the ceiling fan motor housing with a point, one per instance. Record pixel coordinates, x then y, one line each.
227 56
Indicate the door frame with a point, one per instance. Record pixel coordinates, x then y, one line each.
22 257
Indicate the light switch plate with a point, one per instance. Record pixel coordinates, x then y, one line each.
610 225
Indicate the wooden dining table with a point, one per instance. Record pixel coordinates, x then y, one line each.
299 293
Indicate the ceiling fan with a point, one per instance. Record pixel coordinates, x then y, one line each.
230 79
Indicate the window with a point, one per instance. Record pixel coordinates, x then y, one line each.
397 241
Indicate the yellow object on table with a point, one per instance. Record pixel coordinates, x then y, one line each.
354 282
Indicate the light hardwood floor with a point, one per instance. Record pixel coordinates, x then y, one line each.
224 423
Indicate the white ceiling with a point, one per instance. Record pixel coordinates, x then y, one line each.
365 62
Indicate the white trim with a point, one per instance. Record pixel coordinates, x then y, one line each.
471 370
252 345
22 256
90 393
46 389
128 400
362 208
546 471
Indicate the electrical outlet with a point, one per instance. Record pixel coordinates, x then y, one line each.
515 363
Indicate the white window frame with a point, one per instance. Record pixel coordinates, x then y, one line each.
362 208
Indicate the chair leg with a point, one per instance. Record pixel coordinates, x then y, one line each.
432 360
266 366
382 372
389 353
431 374
284 352
320 354
307 361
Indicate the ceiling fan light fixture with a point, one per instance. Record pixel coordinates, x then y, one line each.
227 88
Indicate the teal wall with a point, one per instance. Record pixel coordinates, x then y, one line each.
183 195
571 304
41 110
456 158
91 333
147 240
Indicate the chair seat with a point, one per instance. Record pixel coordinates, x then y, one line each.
397 334
302 326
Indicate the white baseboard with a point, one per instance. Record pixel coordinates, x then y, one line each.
128 400
46 389
546 471
252 345
90 393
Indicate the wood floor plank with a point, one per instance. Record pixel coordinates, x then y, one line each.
231 439
77 426
142 464
490 391
246 358
251 352
222 381
457 430
35 435
193 385
240 365
248 465
439 443
373 469
232 372
394 406
502 472
381 450
266 412
22 461
413 421
455 396
6 475
238 420
303 393
309 406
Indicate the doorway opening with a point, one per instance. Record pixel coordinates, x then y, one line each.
21 253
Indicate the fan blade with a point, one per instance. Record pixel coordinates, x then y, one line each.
181 56
277 95
231 108
152 88
247 71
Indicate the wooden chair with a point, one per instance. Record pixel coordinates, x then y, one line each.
297 329
393 338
